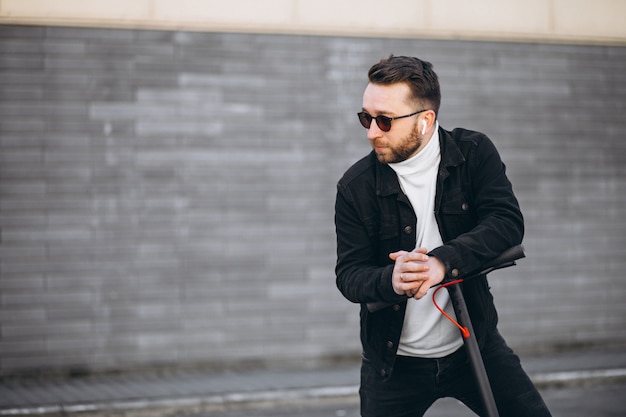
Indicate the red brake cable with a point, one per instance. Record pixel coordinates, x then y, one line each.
464 330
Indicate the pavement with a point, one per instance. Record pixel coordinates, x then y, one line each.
178 391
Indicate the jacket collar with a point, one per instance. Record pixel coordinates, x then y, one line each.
387 181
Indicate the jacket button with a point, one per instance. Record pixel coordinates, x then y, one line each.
454 272
383 372
408 230
396 307
465 206
390 344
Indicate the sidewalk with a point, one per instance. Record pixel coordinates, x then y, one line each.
197 390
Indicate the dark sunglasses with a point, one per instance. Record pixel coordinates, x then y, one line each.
383 122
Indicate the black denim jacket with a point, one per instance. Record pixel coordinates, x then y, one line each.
478 217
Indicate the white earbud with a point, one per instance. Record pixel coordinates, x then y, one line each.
423 127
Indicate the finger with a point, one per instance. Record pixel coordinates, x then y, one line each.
417 256
411 277
422 291
395 255
411 291
406 277
415 271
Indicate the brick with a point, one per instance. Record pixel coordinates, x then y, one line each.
167 197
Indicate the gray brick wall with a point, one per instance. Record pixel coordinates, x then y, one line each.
167 197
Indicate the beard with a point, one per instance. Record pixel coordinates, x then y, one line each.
403 150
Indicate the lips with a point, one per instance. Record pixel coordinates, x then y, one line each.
380 149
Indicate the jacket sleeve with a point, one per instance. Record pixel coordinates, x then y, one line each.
360 276
497 220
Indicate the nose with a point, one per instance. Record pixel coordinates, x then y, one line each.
374 131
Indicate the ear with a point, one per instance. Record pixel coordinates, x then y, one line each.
429 118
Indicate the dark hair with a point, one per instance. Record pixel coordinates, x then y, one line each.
418 74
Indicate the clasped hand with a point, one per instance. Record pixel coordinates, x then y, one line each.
414 272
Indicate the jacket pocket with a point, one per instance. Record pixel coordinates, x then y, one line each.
457 216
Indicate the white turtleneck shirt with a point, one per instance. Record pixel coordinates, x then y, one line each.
426 332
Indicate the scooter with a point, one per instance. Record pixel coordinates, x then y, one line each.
464 323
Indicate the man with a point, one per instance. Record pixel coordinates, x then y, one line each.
424 207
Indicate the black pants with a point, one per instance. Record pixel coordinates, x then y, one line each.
416 383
